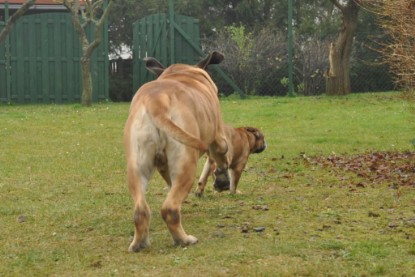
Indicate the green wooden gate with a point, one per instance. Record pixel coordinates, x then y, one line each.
40 62
176 42
150 39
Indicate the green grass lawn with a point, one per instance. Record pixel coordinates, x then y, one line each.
65 209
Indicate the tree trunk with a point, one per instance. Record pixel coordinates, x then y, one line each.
86 99
338 76
87 47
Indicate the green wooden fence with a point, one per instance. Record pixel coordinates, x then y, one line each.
171 40
150 39
4 85
40 62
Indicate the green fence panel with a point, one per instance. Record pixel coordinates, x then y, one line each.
149 40
189 34
45 61
3 72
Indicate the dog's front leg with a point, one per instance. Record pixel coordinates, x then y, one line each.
236 174
204 176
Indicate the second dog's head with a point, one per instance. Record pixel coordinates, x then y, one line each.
260 144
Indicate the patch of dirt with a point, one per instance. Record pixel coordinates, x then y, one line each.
393 168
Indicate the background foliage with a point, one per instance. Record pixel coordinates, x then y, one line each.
398 19
253 36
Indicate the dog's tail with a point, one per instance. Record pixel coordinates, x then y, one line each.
166 124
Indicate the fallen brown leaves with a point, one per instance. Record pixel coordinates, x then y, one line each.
392 168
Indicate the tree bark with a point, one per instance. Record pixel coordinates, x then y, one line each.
338 75
87 87
87 47
86 98
14 18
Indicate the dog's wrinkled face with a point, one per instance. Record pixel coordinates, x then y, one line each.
260 143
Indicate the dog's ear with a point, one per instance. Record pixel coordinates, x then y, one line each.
213 58
154 66
253 130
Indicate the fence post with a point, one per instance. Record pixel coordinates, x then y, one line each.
7 55
106 58
171 25
290 49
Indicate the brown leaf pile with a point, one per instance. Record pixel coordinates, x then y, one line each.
393 168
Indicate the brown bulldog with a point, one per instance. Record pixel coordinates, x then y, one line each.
241 143
173 121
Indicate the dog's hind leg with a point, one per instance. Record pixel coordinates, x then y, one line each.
138 179
141 212
171 209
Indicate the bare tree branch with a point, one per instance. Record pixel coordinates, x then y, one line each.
14 18
98 27
337 4
96 5
88 11
398 18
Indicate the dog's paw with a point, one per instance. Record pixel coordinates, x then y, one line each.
199 193
134 248
236 191
199 190
137 247
189 240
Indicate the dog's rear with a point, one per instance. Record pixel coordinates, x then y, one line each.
172 122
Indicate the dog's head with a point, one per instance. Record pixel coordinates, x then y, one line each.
155 67
259 144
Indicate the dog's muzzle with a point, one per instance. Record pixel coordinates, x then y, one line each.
259 150
221 180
